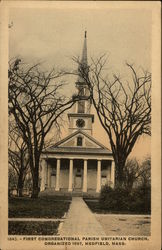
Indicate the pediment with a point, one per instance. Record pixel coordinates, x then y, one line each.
71 141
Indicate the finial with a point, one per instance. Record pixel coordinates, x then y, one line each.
85 34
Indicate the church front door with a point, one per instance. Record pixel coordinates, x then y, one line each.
78 178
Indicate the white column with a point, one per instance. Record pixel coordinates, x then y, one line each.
98 176
112 174
43 174
49 176
57 175
70 176
85 176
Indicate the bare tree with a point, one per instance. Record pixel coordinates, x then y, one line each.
145 177
136 174
36 103
18 156
12 179
123 107
131 173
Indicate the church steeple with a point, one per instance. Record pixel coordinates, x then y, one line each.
81 118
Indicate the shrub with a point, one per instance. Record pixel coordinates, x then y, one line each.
141 201
114 199
120 199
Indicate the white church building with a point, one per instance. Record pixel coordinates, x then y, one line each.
78 163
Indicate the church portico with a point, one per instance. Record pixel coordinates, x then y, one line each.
76 174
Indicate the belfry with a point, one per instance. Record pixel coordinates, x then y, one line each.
78 164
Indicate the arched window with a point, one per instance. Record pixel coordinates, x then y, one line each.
81 90
79 141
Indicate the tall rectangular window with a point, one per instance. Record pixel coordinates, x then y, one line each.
79 141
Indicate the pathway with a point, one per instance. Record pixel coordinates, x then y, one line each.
80 220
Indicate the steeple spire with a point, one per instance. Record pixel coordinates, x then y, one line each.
84 60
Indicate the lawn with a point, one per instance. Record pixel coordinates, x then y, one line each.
96 207
93 204
32 228
44 207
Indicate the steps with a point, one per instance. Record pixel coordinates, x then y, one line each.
52 192
64 192
77 194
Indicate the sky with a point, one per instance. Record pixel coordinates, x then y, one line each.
54 35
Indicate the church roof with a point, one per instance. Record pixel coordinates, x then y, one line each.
67 146
79 150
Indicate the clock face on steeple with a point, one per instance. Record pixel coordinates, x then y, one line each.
80 123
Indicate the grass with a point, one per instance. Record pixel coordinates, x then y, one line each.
96 207
49 207
32 228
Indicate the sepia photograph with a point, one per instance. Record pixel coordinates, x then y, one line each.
81 112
